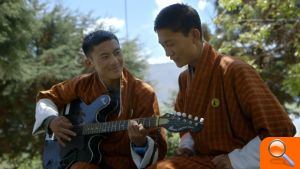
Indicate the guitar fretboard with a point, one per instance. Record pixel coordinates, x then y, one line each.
113 126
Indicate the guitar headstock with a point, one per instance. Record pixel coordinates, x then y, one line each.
177 121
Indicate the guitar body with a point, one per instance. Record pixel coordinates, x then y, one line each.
89 123
83 148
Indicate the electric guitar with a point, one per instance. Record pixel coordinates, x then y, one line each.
90 125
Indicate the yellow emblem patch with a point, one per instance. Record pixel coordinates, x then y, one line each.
215 102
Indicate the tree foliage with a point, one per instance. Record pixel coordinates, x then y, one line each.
17 27
46 55
267 35
134 60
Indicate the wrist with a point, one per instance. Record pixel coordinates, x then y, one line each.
140 150
47 124
140 143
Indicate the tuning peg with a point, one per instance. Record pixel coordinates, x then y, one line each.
196 118
183 115
178 114
201 120
190 116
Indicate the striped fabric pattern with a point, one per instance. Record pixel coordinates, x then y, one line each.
194 162
246 108
138 100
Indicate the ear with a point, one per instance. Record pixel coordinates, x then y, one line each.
196 34
88 62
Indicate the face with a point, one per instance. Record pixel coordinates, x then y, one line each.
107 59
181 49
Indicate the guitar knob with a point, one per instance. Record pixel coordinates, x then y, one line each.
183 115
190 116
178 114
201 120
196 118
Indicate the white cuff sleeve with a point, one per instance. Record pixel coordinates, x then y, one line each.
44 108
145 161
247 157
187 141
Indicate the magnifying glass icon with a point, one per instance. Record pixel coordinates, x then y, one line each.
277 149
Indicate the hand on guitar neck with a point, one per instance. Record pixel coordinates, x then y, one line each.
61 127
137 133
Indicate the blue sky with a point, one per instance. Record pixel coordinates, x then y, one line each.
140 19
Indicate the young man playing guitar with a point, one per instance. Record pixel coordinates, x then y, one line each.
135 148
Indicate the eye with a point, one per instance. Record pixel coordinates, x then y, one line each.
170 44
104 57
117 53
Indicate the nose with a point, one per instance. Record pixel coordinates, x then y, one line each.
115 60
169 53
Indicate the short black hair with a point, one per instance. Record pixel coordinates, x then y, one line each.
95 38
179 18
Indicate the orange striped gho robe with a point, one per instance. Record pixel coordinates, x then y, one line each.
236 106
138 100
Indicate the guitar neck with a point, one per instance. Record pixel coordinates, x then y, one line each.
114 126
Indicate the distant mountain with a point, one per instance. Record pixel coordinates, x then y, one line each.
164 77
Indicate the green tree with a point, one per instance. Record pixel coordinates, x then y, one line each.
46 55
267 35
134 60
17 27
